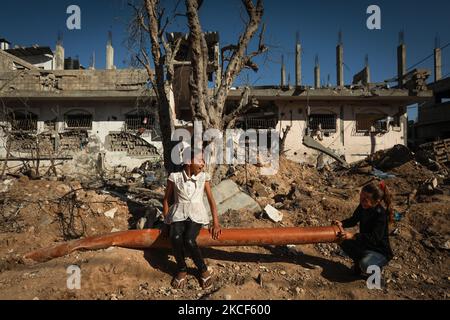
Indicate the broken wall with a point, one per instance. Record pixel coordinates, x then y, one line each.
6 64
345 139
72 80
60 141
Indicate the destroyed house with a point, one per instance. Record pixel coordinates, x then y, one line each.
352 122
112 113
71 111
349 121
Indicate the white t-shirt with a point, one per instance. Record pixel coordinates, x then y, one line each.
189 192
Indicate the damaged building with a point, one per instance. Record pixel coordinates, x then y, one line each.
343 121
431 132
54 109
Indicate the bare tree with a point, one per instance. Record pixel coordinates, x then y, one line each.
283 137
207 105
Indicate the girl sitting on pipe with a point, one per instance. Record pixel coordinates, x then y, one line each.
188 215
371 245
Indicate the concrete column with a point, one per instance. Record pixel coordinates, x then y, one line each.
317 74
298 65
340 65
367 75
92 64
283 72
437 64
367 70
109 54
401 62
59 56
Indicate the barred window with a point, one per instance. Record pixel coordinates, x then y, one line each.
327 122
138 121
257 123
78 121
23 121
366 122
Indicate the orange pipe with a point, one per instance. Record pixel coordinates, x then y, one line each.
155 238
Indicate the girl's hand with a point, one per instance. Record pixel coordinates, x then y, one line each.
215 231
350 235
337 223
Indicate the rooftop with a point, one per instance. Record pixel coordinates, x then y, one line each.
30 51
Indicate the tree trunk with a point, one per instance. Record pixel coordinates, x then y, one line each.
166 126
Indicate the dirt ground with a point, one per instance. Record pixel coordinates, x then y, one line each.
39 213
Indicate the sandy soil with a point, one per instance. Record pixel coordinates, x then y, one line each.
38 213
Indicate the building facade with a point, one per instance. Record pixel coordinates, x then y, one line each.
112 114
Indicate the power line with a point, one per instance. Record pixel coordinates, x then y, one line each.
395 78
428 57
420 62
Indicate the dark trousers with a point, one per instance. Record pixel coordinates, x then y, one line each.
183 235
353 249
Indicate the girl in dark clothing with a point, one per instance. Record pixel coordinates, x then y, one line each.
371 245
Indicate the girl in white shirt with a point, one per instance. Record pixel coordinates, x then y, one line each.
187 216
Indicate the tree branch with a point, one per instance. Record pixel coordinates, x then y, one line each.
139 17
238 59
282 138
199 62
246 103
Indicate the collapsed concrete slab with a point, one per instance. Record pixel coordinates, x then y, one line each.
228 196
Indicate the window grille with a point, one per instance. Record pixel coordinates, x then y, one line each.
136 121
371 122
327 122
79 121
25 122
257 123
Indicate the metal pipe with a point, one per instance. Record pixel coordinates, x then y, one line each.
155 238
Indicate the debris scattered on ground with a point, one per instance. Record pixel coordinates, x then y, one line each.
273 214
110 213
38 213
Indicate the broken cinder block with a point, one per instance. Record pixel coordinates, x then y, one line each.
111 213
273 214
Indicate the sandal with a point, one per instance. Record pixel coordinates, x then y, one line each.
206 282
178 283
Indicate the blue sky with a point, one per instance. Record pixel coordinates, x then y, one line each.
317 22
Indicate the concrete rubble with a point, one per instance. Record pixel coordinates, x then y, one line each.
273 214
85 158
228 196
110 213
36 213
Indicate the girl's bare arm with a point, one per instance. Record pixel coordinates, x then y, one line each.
212 204
167 196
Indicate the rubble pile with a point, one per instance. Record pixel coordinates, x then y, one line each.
37 213
421 194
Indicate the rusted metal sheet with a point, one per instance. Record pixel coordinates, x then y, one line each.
153 238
